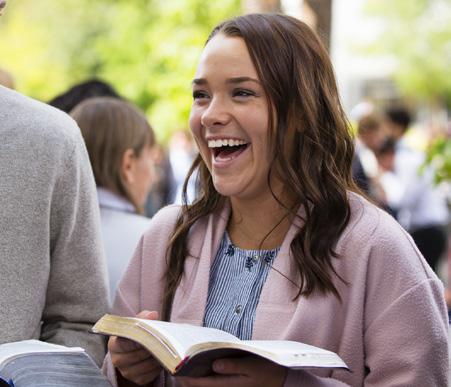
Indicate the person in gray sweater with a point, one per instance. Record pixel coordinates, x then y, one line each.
52 265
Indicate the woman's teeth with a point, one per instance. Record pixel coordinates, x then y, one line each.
221 143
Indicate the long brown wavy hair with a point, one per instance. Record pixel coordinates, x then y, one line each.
312 148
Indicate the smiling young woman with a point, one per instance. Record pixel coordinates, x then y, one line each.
278 243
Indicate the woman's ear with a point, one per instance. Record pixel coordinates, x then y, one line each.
127 166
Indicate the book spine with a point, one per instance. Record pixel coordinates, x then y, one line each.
182 363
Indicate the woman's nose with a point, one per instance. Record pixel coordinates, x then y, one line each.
215 114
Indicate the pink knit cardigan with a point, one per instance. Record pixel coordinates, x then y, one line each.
390 326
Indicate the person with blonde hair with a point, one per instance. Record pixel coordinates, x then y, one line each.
119 141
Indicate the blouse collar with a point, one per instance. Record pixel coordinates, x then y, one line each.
108 199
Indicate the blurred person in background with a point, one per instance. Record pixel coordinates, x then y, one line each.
390 183
164 187
78 93
421 207
53 273
6 79
370 137
181 155
363 108
119 141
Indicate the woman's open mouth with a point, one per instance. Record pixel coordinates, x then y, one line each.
225 150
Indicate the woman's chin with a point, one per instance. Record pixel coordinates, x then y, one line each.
236 193
227 190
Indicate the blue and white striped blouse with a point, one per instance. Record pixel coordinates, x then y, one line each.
236 281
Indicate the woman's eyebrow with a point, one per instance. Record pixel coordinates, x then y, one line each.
242 79
199 81
203 81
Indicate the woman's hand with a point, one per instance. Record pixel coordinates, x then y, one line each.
241 372
134 362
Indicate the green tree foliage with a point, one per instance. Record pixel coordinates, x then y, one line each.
147 49
418 34
439 156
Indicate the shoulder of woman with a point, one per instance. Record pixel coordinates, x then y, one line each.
163 223
369 221
164 220
375 234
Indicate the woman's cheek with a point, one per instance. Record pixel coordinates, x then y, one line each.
195 120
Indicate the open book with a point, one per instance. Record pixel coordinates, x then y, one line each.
188 350
33 363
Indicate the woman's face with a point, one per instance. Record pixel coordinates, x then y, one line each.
229 119
139 174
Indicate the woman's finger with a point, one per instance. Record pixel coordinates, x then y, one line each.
142 372
130 358
120 345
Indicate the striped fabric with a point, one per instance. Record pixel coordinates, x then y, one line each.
236 280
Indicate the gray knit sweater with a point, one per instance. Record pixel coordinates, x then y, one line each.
52 268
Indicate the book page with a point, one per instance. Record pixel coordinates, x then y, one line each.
52 368
9 350
183 336
283 346
294 354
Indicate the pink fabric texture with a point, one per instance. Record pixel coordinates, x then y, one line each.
390 326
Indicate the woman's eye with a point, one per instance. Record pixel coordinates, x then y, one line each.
197 94
243 93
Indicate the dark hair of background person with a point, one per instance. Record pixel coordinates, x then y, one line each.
110 127
312 147
79 92
399 116
387 147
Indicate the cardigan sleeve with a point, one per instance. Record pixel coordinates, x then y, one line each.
405 319
304 378
405 325
416 355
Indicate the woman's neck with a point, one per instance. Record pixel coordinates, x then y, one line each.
258 224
